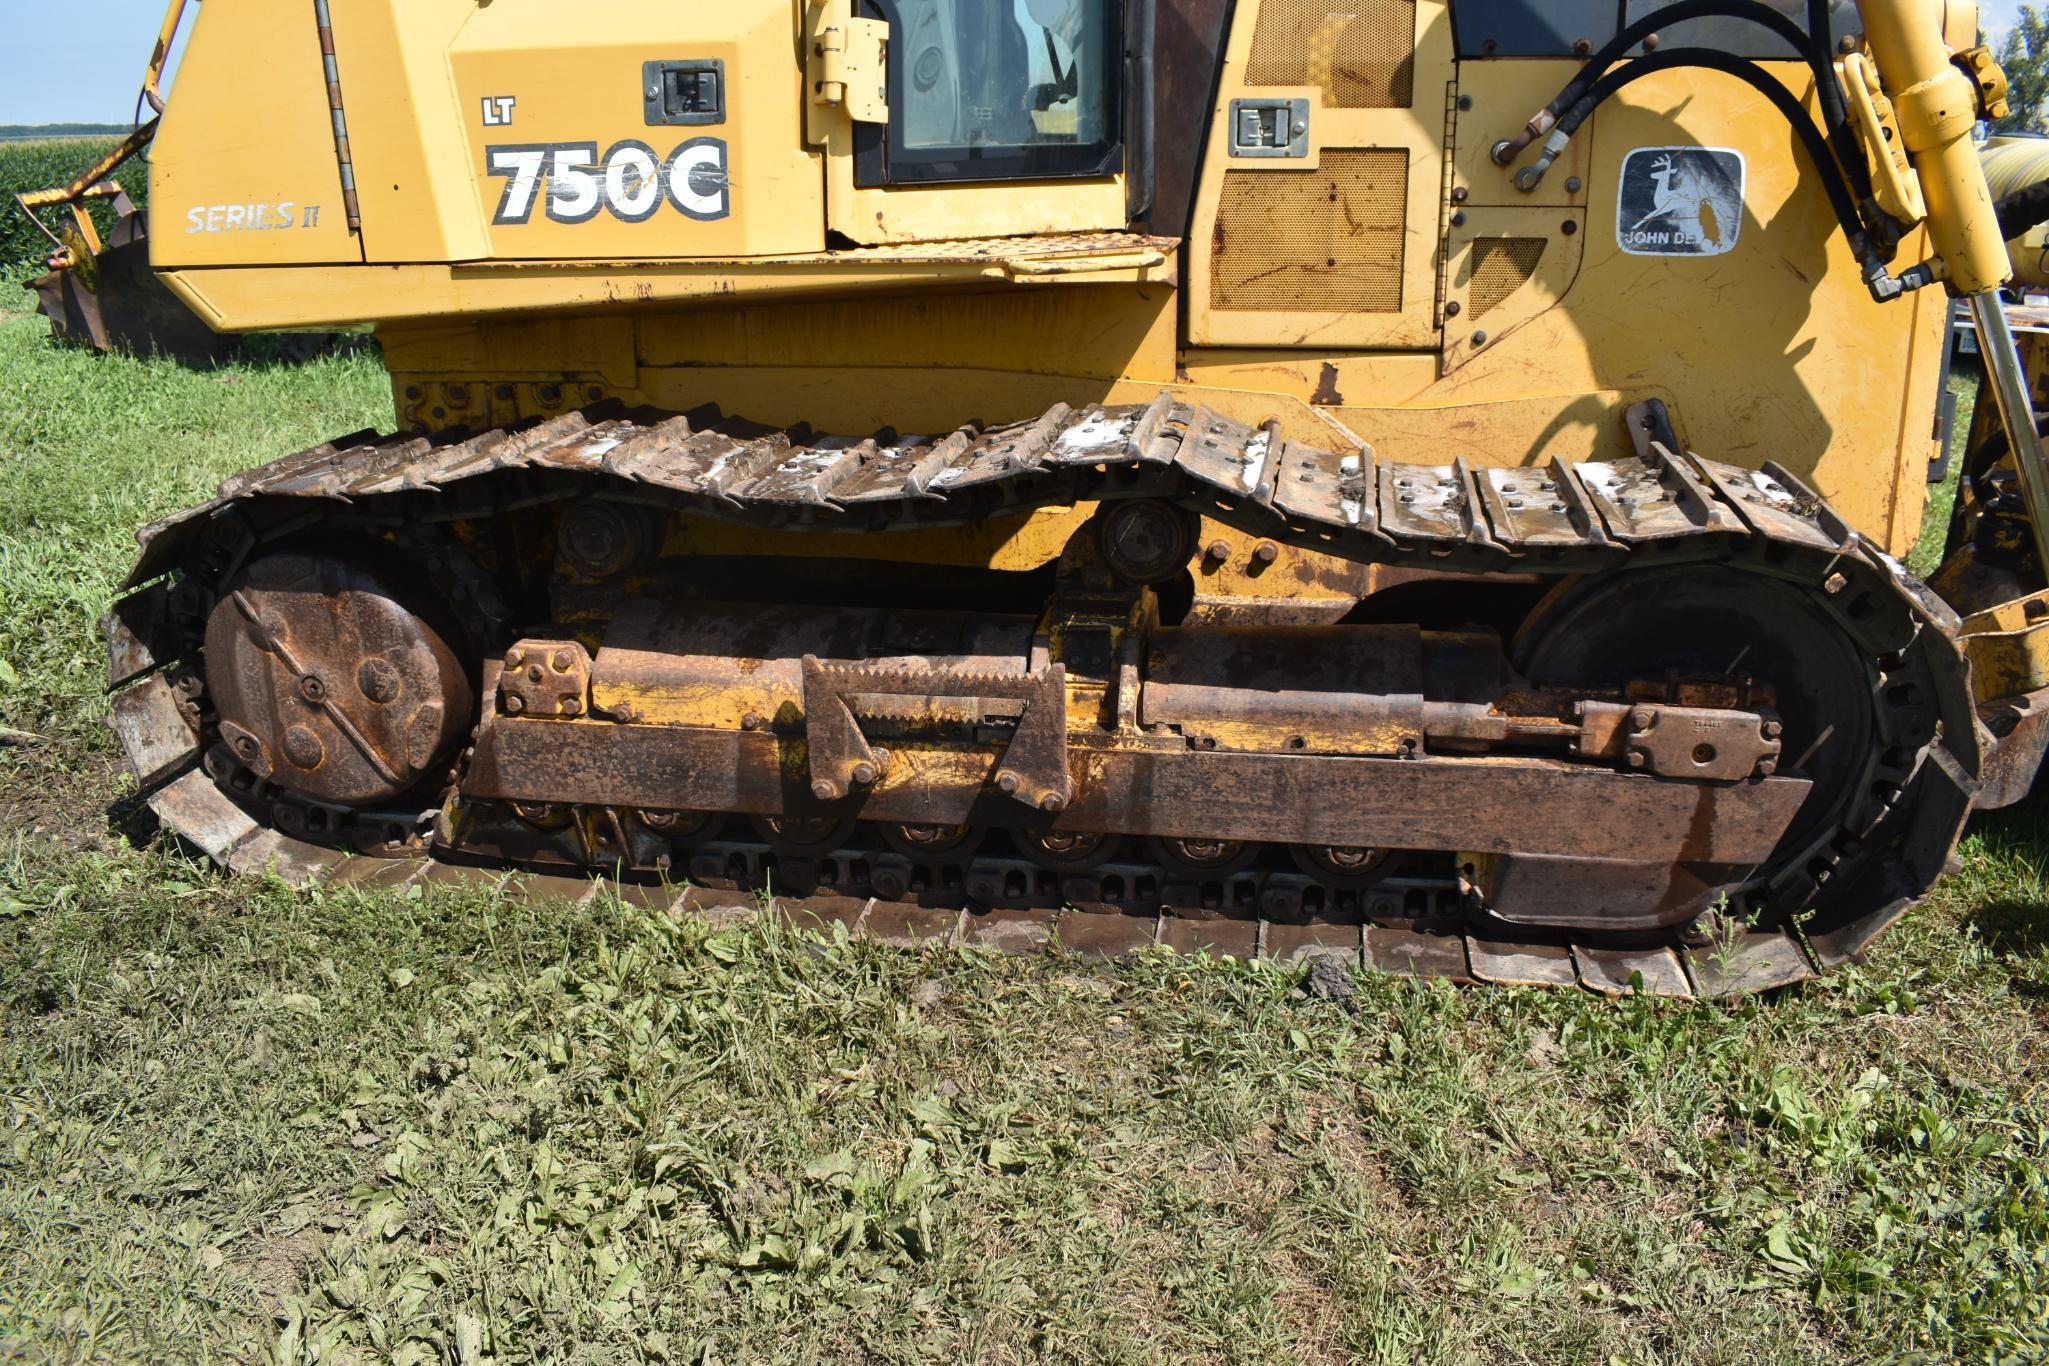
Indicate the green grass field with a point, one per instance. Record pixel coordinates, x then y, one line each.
242 1122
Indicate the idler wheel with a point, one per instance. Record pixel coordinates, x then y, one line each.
932 843
680 826
803 836
1343 865
333 682
1070 851
1203 859
1145 541
544 815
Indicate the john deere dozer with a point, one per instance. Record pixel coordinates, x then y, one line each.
1219 473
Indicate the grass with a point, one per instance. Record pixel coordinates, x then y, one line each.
241 1122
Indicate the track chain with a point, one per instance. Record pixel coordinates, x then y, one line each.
1587 518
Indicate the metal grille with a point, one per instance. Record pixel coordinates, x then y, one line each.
1501 266
1362 53
1322 241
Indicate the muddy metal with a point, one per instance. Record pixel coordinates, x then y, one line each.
1728 747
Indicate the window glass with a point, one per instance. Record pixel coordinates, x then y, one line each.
982 89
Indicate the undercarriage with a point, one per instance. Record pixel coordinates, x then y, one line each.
1660 722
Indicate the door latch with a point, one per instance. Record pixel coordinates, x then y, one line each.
1270 128
692 91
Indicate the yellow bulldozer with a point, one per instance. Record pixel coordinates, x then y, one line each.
1420 481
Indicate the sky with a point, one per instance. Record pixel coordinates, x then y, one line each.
79 62
83 62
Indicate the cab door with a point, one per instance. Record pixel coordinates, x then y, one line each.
1319 219
947 119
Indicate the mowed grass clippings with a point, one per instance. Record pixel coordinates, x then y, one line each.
242 1122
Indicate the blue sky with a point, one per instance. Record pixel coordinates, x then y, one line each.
82 61
79 62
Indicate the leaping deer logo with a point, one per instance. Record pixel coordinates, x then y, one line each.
1690 203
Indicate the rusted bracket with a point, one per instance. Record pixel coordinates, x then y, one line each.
78 242
545 678
1034 765
1701 743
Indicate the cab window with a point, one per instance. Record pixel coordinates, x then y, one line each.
996 90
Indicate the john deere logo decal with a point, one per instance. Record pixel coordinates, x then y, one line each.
1680 201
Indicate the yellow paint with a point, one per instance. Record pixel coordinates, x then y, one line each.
2008 647
249 127
2012 164
1468 330
982 305
1418 133
1937 106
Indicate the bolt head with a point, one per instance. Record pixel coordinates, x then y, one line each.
1636 758
1266 552
1218 551
751 721
514 703
825 789
1006 782
1052 801
515 659
561 661
1643 718
864 774
572 706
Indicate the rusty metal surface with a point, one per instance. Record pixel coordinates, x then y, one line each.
335 689
1710 744
1560 809
1031 770
2019 727
157 736
1624 971
1664 509
113 301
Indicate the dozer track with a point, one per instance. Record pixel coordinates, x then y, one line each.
1538 826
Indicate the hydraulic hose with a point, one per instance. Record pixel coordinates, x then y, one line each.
1882 283
1812 45
2025 208
1611 52
1751 74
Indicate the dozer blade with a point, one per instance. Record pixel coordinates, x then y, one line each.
115 302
